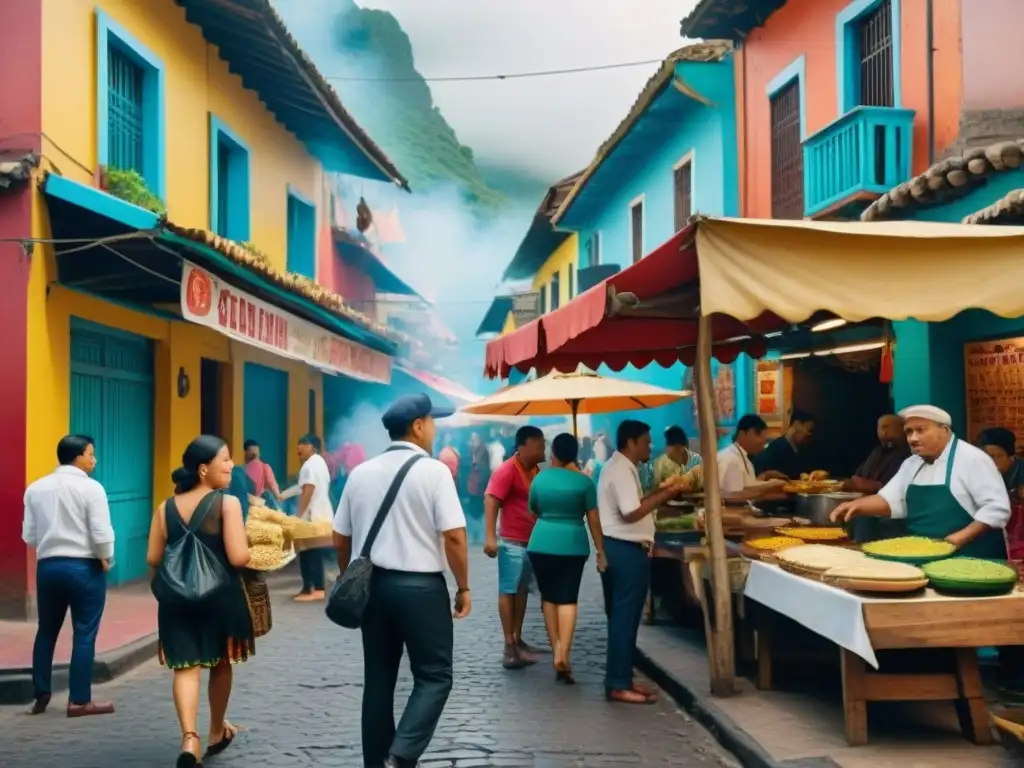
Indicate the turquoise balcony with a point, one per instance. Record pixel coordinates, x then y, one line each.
855 159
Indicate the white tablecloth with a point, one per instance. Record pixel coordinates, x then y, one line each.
835 614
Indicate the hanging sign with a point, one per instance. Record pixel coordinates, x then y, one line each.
207 300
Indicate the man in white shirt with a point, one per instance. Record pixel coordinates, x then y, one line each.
495 452
314 504
67 521
409 602
736 475
948 489
628 525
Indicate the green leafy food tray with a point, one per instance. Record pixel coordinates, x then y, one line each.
970 573
867 549
971 588
908 560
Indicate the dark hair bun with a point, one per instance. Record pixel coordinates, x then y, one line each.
184 479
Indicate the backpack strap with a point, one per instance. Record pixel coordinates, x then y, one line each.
389 500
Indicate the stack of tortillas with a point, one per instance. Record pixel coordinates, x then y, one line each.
815 559
872 575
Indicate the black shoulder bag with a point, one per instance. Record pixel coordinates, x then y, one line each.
351 592
190 572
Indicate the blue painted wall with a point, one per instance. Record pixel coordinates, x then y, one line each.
673 126
929 359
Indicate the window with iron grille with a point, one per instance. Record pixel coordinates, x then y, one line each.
682 181
124 112
787 153
555 291
636 230
875 74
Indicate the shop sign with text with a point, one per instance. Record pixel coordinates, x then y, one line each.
208 300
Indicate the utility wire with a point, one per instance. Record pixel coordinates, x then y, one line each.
512 76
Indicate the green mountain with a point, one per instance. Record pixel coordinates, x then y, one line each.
392 101
515 184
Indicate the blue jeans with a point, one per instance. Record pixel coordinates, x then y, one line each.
312 566
81 585
625 583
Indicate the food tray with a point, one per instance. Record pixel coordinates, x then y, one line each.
1002 579
814 534
888 586
313 542
908 559
289 556
818 557
808 573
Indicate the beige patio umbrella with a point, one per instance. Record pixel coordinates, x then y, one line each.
573 393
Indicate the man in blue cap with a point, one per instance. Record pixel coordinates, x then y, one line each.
423 530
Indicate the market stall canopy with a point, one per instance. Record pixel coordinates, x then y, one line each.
755 277
573 393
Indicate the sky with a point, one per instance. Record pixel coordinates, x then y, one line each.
550 126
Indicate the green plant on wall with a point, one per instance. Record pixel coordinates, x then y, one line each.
131 187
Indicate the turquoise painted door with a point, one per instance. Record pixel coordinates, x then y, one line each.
265 415
112 401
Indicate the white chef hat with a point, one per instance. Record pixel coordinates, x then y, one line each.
929 412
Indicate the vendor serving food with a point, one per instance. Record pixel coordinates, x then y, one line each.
947 489
736 475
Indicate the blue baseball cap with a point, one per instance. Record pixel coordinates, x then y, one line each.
406 409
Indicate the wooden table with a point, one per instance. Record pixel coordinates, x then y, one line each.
929 621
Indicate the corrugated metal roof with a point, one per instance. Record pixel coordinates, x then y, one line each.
727 19
254 41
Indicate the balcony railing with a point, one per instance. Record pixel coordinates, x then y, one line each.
865 152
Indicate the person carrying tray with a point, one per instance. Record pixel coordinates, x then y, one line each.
948 489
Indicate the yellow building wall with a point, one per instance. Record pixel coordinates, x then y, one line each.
197 82
510 324
562 261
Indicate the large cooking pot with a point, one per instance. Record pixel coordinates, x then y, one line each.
817 507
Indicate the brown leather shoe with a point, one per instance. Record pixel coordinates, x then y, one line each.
92 708
40 704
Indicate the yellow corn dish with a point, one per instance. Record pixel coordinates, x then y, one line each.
814 533
773 543
909 546
261 532
263 557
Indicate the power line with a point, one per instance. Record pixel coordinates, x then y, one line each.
512 76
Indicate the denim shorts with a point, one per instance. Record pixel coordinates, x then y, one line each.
513 567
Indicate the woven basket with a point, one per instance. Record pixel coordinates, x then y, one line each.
796 570
257 594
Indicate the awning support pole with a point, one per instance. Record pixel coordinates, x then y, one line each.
575 411
723 669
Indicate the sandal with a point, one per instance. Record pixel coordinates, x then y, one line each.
188 759
230 731
563 674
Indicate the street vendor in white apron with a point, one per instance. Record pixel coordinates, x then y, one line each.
947 489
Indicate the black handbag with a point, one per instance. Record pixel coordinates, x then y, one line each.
190 572
351 592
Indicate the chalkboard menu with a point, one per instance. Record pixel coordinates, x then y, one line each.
995 386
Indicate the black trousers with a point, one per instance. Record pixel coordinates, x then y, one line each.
410 611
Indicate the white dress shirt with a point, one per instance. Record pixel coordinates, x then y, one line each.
735 470
67 515
495 454
427 505
314 472
619 493
975 483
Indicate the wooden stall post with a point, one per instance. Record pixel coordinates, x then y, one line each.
723 662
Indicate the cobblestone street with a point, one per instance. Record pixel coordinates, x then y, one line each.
299 702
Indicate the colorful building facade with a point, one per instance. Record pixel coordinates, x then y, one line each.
836 100
167 284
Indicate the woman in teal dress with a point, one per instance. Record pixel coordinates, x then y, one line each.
565 503
218 632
